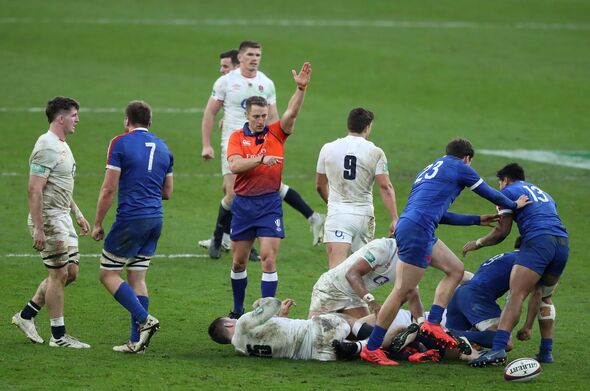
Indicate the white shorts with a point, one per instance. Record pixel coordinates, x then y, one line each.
324 329
224 163
356 230
325 297
110 261
61 241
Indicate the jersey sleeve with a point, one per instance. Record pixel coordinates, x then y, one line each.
382 167
468 177
42 162
271 97
233 146
276 129
377 253
171 166
321 165
502 209
219 89
115 154
267 308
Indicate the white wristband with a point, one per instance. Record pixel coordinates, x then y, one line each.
478 243
368 298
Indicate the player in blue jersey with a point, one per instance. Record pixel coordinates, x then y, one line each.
434 190
543 255
140 165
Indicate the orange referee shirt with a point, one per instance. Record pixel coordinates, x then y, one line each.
261 179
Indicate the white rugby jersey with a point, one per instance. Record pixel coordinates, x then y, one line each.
351 163
52 159
381 254
233 89
262 332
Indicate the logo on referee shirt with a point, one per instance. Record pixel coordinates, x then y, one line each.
278 224
246 143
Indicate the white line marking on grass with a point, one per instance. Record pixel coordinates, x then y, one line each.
119 110
395 24
176 174
166 256
549 157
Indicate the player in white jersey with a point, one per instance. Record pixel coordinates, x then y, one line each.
346 171
230 92
347 287
267 332
51 188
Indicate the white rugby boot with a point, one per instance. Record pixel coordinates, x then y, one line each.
67 341
28 327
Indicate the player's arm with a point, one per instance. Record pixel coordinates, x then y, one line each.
415 305
321 185
273 113
80 219
35 196
239 164
495 236
168 187
524 334
388 197
105 200
354 276
264 309
296 101
451 218
484 190
211 110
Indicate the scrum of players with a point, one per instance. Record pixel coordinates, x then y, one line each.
345 320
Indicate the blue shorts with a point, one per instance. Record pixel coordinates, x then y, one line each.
257 216
470 305
545 254
134 237
414 243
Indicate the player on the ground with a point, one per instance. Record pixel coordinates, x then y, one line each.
346 171
139 164
51 199
347 287
230 92
542 257
255 154
434 190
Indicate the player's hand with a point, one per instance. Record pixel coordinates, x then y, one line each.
285 307
470 246
392 228
97 232
524 334
39 239
489 220
302 79
207 153
83 223
522 201
271 160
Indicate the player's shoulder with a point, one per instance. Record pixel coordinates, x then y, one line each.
262 76
47 141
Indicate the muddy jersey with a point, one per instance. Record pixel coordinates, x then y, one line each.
52 159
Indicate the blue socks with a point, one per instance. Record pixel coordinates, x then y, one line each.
435 314
30 310
239 282
128 299
269 284
501 340
546 345
376 338
483 338
145 302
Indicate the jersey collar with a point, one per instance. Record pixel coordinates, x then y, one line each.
259 136
140 129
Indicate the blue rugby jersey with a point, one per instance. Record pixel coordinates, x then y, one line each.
437 186
493 275
538 218
144 161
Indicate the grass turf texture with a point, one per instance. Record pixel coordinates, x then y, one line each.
498 85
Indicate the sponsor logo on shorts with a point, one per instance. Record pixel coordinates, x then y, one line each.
278 224
339 234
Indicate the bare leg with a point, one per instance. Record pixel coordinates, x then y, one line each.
337 253
54 293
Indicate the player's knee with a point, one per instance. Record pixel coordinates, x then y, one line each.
72 275
546 311
547 291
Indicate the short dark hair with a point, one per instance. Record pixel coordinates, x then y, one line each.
460 148
217 331
249 44
512 171
231 54
255 101
59 104
139 113
359 119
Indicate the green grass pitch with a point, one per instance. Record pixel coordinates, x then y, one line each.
505 74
